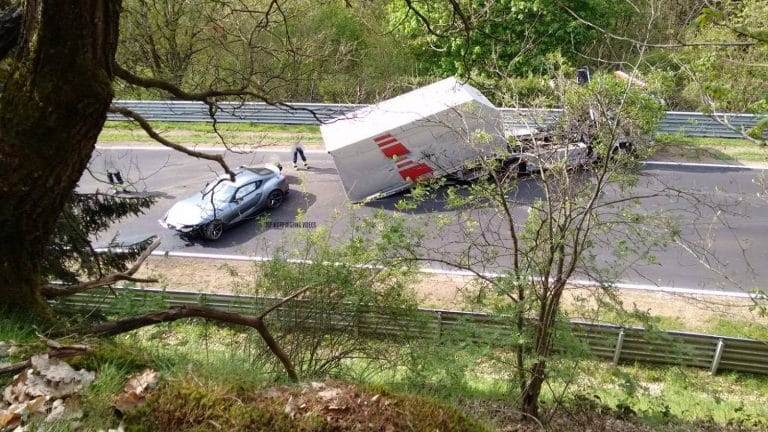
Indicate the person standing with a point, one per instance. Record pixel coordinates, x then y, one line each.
298 150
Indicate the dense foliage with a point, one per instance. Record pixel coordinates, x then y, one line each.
727 78
70 256
366 50
507 37
307 52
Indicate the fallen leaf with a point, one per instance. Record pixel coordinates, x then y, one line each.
52 343
37 405
15 392
328 394
126 402
135 390
65 409
57 370
290 408
9 419
142 382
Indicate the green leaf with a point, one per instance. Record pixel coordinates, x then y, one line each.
708 16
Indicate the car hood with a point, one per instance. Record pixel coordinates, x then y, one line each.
194 210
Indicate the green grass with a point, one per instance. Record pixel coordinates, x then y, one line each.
739 329
203 133
208 127
16 329
718 149
665 398
675 395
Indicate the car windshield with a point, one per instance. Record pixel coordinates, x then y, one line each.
222 191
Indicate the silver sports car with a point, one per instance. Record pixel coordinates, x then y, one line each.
222 202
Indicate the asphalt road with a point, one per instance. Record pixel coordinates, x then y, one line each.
723 214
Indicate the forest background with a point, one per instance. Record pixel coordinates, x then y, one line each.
362 51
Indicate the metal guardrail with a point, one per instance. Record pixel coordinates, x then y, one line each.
234 112
674 122
618 344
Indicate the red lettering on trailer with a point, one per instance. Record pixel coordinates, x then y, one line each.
390 146
414 172
387 142
394 150
404 163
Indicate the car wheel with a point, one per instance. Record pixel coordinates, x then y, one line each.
213 230
275 198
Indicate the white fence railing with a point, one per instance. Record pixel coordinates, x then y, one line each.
614 343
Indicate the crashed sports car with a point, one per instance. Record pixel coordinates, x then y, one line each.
222 202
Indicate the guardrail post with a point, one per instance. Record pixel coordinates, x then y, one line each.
439 325
619 344
717 357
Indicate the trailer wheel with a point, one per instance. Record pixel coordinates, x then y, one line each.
522 168
621 148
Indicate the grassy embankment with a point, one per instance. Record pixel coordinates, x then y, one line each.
710 150
214 375
202 134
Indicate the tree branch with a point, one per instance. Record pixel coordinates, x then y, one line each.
53 292
650 45
179 312
60 352
157 137
205 96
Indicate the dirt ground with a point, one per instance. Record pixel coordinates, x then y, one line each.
695 313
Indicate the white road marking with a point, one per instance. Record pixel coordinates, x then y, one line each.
704 165
672 290
209 149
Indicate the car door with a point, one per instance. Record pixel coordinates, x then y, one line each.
246 200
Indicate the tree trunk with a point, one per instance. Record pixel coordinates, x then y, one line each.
51 111
542 348
529 404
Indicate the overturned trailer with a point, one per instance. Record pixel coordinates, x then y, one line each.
533 150
430 132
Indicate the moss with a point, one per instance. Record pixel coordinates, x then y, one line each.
424 414
189 407
184 405
106 351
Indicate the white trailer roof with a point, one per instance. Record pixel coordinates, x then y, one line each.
417 104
